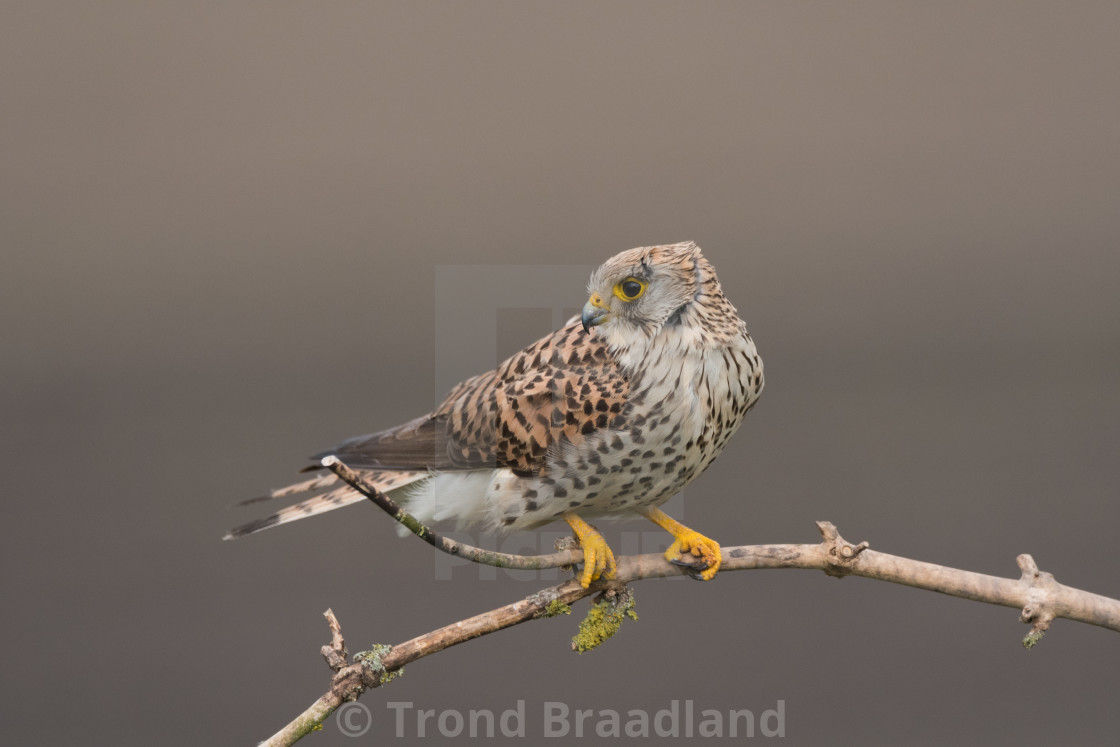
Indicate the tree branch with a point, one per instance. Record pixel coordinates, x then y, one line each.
1037 594
437 540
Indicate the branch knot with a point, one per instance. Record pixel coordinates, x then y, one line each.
840 554
371 661
1041 590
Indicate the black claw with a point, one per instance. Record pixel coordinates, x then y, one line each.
696 565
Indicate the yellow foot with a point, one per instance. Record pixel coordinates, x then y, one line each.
598 560
691 549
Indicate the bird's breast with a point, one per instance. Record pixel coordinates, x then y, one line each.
693 399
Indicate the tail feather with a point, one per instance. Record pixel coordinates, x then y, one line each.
328 501
315 483
339 496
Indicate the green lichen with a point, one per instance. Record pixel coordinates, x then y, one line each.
372 659
604 619
556 607
1032 638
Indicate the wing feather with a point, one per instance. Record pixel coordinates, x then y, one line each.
558 390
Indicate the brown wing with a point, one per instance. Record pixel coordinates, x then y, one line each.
558 390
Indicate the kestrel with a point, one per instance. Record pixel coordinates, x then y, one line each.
611 415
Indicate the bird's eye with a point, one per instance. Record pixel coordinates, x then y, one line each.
630 289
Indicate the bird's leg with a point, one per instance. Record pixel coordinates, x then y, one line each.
691 549
598 560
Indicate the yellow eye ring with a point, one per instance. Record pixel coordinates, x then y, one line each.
630 289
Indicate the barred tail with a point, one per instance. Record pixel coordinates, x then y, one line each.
339 496
315 483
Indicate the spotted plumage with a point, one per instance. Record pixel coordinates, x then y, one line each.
610 415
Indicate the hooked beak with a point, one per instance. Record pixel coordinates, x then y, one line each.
595 312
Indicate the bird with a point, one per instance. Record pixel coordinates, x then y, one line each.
607 417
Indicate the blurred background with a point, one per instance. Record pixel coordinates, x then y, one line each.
223 225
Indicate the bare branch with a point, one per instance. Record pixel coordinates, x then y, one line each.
335 653
1037 594
437 540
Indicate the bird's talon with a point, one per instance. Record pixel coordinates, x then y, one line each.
598 560
692 544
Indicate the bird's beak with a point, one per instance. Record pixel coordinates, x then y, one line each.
595 312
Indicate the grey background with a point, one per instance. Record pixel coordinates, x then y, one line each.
222 228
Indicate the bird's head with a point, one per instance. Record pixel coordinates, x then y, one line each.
638 292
